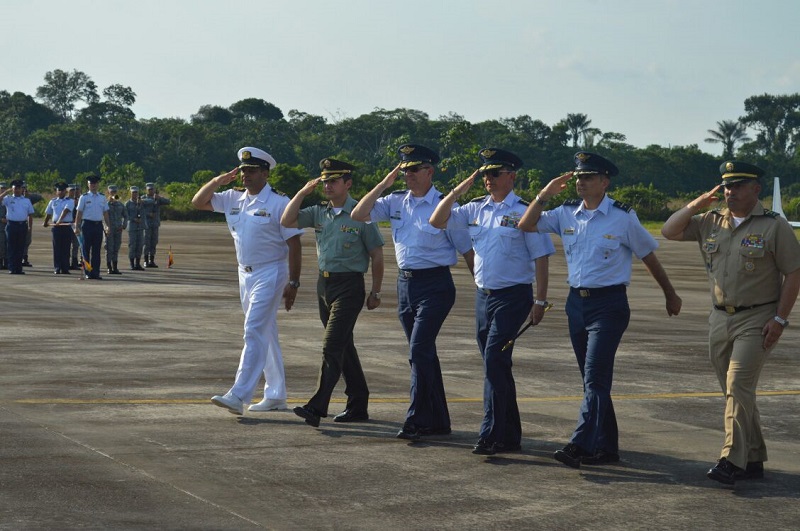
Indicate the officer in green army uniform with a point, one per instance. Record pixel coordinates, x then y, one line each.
344 250
752 258
136 224
151 210
117 218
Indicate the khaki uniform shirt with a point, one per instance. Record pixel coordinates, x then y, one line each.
745 264
343 244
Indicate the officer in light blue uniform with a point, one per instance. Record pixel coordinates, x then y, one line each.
600 237
507 260
92 222
425 289
59 209
3 247
19 222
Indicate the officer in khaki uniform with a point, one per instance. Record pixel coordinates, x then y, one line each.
118 219
344 250
752 257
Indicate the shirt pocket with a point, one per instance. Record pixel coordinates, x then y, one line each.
607 248
234 221
510 239
430 237
751 258
397 225
347 245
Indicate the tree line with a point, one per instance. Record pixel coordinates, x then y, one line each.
70 128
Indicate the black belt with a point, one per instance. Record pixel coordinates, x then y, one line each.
90 221
418 273
502 290
596 292
11 221
340 274
735 309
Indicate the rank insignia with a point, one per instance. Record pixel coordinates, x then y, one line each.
749 267
261 213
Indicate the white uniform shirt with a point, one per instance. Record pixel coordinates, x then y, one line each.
18 208
504 255
418 244
255 225
598 245
92 206
57 205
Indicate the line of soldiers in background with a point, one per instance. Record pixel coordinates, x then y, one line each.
141 216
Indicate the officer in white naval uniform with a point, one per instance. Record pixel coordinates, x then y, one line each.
262 247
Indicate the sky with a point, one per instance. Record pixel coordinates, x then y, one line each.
658 71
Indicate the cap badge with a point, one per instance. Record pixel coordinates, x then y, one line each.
245 155
583 157
407 150
729 166
327 163
488 153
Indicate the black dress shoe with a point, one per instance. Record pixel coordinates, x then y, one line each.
754 470
724 472
504 447
348 415
601 457
484 447
409 433
571 455
308 413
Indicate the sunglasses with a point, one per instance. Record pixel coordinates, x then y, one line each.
413 169
495 173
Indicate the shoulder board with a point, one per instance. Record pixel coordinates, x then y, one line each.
441 196
238 189
523 202
323 203
572 202
398 192
717 211
623 206
479 199
771 213
278 192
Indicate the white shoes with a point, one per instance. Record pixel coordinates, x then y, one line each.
269 404
230 402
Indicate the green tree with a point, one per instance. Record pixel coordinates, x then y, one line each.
578 126
62 90
120 95
256 109
213 114
777 120
729 133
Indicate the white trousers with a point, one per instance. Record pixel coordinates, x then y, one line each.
261 292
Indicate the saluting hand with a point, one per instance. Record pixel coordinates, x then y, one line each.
227 178
556 186
310 186
391 177
705 200
464 186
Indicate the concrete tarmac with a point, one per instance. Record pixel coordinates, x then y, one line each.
106 422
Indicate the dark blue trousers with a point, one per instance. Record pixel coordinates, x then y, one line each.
62 239
596 325
92 232
423 302
16 232
499 314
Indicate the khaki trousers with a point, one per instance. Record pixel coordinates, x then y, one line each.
737 355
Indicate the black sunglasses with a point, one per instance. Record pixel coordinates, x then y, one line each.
492 174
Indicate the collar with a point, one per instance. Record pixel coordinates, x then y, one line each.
758 210
347 207
603 207
261 197
429 197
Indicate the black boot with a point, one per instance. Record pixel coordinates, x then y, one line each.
114 269
110 268
153 260
133 267
25 262
138 265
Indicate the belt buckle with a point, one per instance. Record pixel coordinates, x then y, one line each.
326 274
730 310
248 269
584 293
407 274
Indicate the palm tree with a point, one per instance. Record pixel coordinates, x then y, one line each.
578 125
728 133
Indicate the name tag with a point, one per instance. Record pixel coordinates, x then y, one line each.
235 211
261 213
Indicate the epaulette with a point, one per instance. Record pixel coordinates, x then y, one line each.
716 211
441 196
520 200
238 189
278 192
572 202
323 203
771 213
399 192
478 199
623 206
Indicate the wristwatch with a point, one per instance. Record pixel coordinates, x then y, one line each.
781 321
541 201
294 283
376 294
537 302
